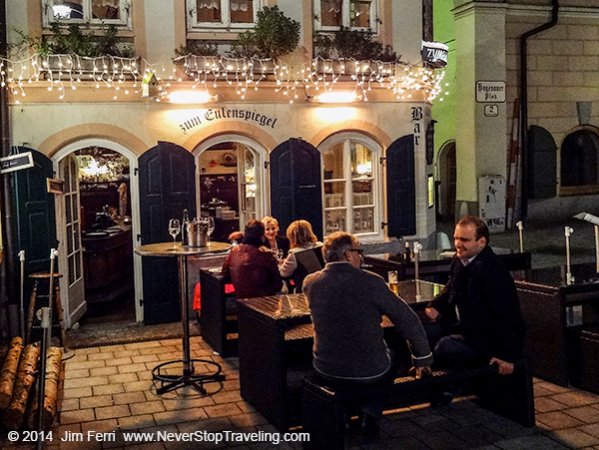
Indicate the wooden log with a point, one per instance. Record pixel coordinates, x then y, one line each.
15 413
53 370
9 371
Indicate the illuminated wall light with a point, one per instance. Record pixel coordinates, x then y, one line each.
336 97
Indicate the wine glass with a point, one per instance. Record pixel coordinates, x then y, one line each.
174 228
211 226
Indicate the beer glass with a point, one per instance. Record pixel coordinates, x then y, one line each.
393 281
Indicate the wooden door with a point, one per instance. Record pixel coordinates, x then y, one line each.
296 184
34 216
166 188
401 189
70 251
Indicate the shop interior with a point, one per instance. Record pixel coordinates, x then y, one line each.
106 238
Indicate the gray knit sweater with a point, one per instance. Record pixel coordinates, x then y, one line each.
346 306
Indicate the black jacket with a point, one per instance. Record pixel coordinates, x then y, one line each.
488 306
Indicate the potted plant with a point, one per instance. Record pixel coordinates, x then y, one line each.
349 46
274 35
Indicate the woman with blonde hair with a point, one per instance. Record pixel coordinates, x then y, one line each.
278 243
302 240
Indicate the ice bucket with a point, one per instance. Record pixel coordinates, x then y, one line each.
197 233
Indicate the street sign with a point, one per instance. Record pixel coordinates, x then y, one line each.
490 91
16 162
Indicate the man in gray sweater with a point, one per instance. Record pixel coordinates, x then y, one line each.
347 305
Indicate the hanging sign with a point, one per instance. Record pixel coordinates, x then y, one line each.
434 54
16 162
55 186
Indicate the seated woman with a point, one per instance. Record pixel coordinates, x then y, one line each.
301 238
278 243
251 267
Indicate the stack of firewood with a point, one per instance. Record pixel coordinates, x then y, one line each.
17 379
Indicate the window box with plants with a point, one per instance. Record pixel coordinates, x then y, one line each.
256 52
349 52
88 55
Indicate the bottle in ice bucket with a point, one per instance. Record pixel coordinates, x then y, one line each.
407 253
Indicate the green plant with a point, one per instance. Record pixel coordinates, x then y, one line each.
75 42
356 44
197 48
273 36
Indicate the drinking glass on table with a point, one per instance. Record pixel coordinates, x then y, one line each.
393 281
174 228
211 226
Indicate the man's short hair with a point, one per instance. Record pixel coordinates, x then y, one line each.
336 244
481 229
254 229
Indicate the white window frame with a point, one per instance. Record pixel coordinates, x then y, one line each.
225 23
124 13
377 180
345 18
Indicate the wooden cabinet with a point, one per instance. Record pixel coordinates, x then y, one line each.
108 265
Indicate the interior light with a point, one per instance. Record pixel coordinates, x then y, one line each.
190 96
337 97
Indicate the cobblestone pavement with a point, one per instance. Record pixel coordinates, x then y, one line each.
109 388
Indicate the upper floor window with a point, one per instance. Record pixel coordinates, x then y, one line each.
332 14
109 12
579 162
222 13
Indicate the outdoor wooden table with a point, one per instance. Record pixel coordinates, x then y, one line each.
275 342
171 381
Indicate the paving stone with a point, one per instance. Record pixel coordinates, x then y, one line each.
100 426
97 356
128 397
85 365
114 388
119 361
586 414
126 353
546 404
144 358
222 410
69 404
136 422
76 373
96 401
109 412
557 420
82 382
537 442
576 398
77 392
575 438
79 416
103 371
169 417
123 377
137 386
133 368
147 407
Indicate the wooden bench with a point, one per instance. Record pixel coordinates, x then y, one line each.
324 403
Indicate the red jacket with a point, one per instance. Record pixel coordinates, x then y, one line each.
253 271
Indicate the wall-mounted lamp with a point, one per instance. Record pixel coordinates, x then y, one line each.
336 97
191 96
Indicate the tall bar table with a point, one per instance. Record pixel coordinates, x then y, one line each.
171 381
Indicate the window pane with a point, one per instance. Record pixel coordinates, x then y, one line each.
363 220
71 270
72 9
362 191
359 13
334 194
208 10
242 11
78 264
330 13
69 239
69 215
333 162
105 9
334 221
361 161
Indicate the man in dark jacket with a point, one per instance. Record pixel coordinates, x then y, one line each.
251 266
481 298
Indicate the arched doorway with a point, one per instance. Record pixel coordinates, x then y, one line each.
579 162
231 182
97 218
447 182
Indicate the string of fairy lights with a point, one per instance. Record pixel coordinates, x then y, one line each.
64 73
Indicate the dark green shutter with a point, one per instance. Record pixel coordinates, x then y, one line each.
401 190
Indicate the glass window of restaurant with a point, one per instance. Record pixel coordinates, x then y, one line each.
355 14
351 185
222 13
98 12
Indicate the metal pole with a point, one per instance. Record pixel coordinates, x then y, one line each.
46 322
22 295
520 228
417 248
596 248
567 232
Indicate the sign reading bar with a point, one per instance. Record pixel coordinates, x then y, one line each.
490 91
16 162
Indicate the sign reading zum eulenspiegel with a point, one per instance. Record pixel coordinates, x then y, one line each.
490 91
229 113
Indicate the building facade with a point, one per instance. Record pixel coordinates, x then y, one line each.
263 140
549 90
